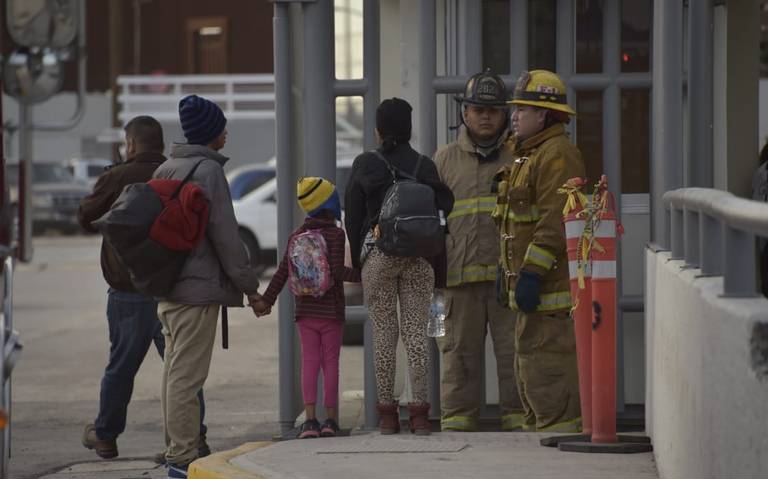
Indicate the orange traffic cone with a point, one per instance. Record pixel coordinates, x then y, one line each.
599 248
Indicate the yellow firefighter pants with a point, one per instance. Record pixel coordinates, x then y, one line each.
547 374
471 310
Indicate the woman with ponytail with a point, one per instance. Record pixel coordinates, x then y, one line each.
389 279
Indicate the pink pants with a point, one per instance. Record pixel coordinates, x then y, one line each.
320 348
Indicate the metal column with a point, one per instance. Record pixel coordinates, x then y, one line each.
319 107
470 48
700 80
427 135
286 174
427 106
370 102
612 160
518 37
666 108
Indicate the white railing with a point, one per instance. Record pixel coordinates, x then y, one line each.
242 97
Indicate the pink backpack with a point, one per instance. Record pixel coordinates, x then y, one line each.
309 273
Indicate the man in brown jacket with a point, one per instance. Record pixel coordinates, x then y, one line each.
468 166
132 317
533 252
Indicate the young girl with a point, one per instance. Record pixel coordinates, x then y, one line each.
319 291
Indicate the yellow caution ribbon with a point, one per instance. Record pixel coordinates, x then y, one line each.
572 188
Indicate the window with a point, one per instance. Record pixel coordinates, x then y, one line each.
636 18
496 35
589 131
542 16
635 141
589 36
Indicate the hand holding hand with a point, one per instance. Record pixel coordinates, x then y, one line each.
259 305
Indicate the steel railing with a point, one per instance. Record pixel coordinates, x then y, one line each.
715 231
240 96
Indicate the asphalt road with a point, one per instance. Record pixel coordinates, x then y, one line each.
59 311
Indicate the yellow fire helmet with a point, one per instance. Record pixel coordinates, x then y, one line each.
543 89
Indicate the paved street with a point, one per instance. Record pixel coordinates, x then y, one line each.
60 299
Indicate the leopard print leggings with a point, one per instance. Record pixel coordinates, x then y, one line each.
385 280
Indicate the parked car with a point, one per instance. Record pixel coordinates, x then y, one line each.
244 179
88 169
56 195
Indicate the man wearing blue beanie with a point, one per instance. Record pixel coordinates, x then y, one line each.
216 274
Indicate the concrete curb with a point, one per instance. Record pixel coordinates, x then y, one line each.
217 466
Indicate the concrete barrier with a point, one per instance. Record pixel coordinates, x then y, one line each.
707 380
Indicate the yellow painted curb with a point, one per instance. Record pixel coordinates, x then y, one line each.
217 466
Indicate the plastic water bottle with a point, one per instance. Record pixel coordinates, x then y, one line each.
436 322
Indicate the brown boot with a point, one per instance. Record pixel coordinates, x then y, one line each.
389 421
419 420
105 448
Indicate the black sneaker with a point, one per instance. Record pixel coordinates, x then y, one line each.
310 429
329 428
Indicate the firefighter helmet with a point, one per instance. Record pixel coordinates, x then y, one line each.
485 88
543 89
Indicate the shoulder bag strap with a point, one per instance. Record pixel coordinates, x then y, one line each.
395 170
186 179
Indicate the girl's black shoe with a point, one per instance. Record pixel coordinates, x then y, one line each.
329 428
310 429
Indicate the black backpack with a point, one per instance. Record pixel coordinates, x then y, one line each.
409 222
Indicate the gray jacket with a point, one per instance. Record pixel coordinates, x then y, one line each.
217 271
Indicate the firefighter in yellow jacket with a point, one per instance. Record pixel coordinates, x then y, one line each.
468 166
533 251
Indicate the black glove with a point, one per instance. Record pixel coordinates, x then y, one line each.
527 292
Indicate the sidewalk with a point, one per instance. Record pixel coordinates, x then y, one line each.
443 455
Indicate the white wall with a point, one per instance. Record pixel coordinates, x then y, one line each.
706 405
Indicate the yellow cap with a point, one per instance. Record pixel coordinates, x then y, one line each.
543 89
312 192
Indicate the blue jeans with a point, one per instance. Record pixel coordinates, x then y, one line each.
133 327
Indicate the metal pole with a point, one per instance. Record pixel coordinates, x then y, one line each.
700 88
691 237
319 99
667 109
565 51
371 70
371 73
612 161
428 144
518 36
710 246
740 269
676 232
11 349
285 200
25 183
470 49
427 56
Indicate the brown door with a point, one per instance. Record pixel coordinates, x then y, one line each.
207 45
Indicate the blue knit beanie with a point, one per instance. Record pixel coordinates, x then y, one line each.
202 120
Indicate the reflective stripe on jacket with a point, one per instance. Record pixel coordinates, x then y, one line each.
472 247
529 214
